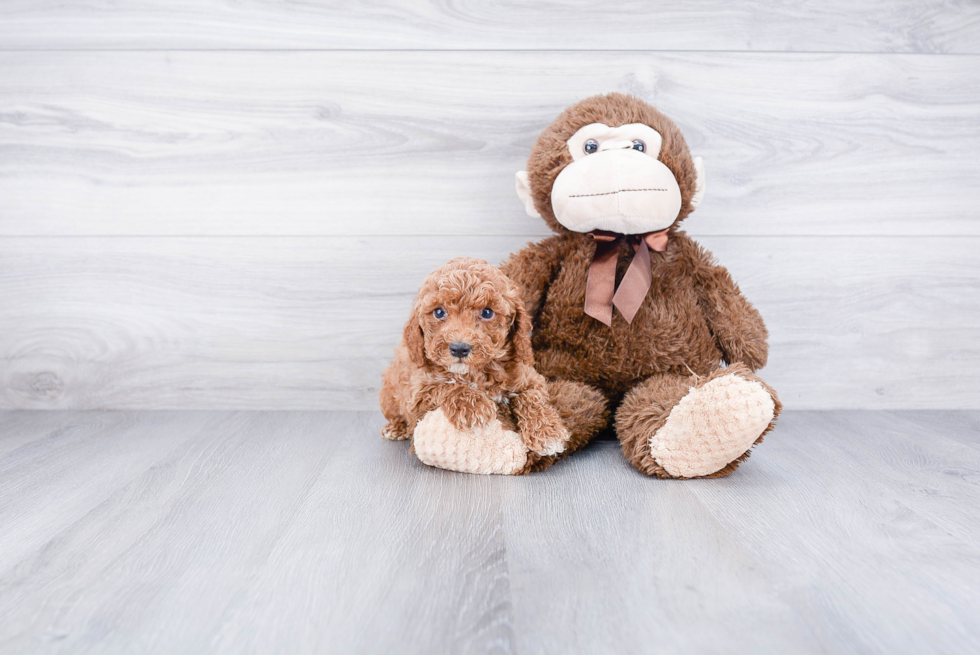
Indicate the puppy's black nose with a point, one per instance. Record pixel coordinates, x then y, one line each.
460 350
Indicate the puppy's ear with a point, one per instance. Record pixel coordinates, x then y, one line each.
520 334
414 338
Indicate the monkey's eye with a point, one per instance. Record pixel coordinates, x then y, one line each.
486 314
591 146
639 145
439 313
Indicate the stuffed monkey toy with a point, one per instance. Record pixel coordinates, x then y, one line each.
632 319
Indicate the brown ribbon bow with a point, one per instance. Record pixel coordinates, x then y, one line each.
600 289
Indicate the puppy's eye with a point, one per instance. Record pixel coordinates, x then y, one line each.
591 146
639 145
439 313
486 314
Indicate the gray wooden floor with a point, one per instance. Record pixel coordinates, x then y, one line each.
183 532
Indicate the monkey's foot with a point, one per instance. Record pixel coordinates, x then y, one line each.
712 426
488 449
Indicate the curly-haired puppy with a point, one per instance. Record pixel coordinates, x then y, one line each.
463 383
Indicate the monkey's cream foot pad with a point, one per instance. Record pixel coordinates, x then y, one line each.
712 426
489 449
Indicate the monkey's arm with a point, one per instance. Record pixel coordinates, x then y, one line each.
533 268
736 324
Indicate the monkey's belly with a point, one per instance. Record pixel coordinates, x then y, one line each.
573 346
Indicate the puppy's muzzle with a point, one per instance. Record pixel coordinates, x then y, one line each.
460 350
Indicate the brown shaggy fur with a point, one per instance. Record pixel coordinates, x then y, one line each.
694 316
495 380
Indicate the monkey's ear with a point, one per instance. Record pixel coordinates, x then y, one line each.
520 335
524 193
699 185
414 339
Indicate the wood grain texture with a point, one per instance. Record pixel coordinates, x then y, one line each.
651 559
427 143
72 470
340 151
912 484
310 323
251 532
826 540
378 522
867 26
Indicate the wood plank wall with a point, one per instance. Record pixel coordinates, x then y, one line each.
230 205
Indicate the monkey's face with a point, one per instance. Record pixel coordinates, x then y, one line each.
616 182
609 175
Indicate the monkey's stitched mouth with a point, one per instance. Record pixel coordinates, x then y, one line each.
610 193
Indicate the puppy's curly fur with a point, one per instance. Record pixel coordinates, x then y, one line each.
494 379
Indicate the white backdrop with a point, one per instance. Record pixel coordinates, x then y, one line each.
214 205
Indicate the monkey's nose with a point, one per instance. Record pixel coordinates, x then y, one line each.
460 349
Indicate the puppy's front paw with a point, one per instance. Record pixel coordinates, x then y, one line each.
547 439
541 428
469 408
395 431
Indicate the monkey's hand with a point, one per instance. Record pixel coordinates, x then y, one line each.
539 424
467 408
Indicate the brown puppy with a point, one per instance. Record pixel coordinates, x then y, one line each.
613 178
463 382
